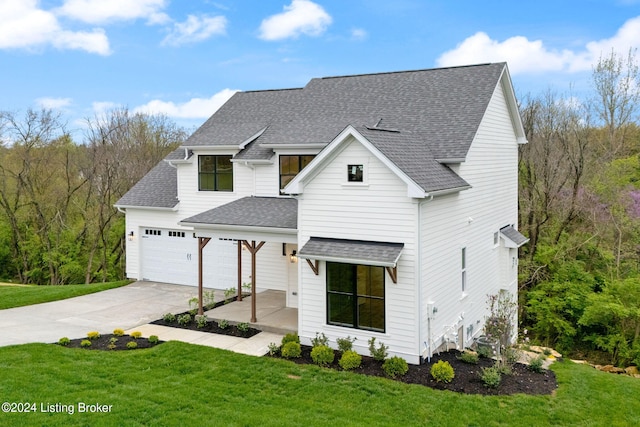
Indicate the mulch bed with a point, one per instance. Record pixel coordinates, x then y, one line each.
104 341
211 327
467 379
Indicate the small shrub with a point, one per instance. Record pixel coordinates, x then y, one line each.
131 345
536 364
113 340
504 368
491 377
484 351
546 352
93 335
320 339
345 344
442 372
111 346
380 353
118 332
322 355
223 324
291 337
85 343
397 366
201 321
169 318
350 360
511 355
136 334
273 349
184 319
64 341
209 298
469 357
228 295
193 306
243 327
291 350
153 339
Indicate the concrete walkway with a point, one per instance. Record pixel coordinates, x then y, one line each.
131 308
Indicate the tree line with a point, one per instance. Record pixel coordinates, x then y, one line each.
579 203
57 220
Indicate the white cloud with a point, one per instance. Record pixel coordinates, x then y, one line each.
103 11
53 103
195 108
301 17
24 26
196 29
358 34
526 56
102 107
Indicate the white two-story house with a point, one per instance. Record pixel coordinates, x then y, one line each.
383 205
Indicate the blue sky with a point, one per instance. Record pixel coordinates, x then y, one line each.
184 58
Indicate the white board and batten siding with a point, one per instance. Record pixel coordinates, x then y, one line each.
469 220
377 210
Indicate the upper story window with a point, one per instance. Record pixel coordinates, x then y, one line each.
290 166
464 270
355 173
215 173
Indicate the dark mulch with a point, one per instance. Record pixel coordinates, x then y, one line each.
211 327
467 379
104 341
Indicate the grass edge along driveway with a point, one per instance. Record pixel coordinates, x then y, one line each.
182 384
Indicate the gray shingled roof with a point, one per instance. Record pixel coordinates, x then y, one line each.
157 189
514 235
384 254
273 212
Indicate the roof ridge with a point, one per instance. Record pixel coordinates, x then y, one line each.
410 71
271 90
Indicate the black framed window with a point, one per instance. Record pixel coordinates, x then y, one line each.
215 173
355 173
355 296
290 166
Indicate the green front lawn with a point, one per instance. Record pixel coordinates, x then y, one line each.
183 384
19 296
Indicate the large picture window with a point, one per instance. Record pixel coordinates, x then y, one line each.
290 166
215 173
355 296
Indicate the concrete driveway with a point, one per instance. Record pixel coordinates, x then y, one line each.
125 308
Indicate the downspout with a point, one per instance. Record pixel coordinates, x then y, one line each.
419 276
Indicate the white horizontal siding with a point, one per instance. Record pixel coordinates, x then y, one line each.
376 211
469 219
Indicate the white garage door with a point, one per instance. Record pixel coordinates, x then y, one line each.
171 256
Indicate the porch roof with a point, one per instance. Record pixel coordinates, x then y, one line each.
513 237
385 254
263 212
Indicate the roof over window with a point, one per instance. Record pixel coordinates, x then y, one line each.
384 254
513 238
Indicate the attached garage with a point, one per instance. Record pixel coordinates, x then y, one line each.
171 256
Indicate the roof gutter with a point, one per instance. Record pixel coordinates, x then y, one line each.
243 228
432 194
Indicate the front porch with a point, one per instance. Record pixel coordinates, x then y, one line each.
271 311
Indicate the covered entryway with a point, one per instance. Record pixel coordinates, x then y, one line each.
253 222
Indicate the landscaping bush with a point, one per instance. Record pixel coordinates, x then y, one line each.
136 334
484 351
273 349
345 344
536 364
223 324
169 318
380 353
320 339
184 319
442 371
322 355
291 337
243 327
85 343
93 335
64 341
118 332
396 366
491 377
350 360
131 345
469 357
201 321
291 350
153 339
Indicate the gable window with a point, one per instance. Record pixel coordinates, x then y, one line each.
355 173
215 173
290 166
464 270
355 296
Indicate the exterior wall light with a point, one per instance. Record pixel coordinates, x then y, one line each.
293 257
130 236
